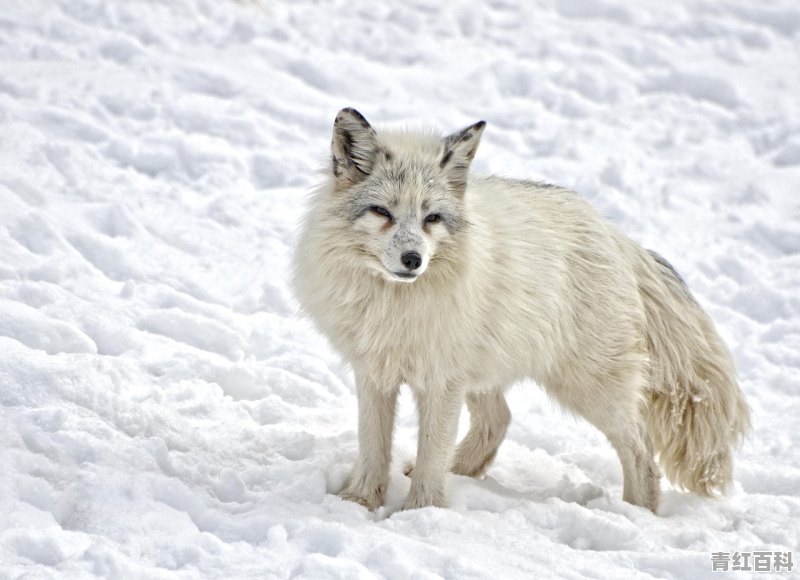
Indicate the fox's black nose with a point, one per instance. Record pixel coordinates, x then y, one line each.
411 260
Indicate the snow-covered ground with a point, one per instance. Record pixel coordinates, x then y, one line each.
163 411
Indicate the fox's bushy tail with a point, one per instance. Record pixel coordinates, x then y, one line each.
696 413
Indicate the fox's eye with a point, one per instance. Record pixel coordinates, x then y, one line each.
433 218
381 211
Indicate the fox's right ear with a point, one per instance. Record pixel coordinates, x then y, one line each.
354 147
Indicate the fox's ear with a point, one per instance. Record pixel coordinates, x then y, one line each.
354 147
459 150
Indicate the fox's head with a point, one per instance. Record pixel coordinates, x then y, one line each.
402 193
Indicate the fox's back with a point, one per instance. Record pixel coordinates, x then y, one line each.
555 273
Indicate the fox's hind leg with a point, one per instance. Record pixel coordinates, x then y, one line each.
488 421
639 471
613 402
626 433
489 417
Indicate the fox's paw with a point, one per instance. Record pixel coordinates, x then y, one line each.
370 501
420 497
362 491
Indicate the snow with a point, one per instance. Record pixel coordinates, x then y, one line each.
164 413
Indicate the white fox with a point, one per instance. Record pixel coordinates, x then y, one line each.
459 286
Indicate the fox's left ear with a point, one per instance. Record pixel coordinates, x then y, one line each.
459 150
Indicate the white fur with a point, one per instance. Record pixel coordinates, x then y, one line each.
532 284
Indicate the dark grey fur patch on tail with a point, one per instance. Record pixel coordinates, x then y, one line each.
669 270
546 185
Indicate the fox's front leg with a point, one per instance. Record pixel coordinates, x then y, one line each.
438 409
370 475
